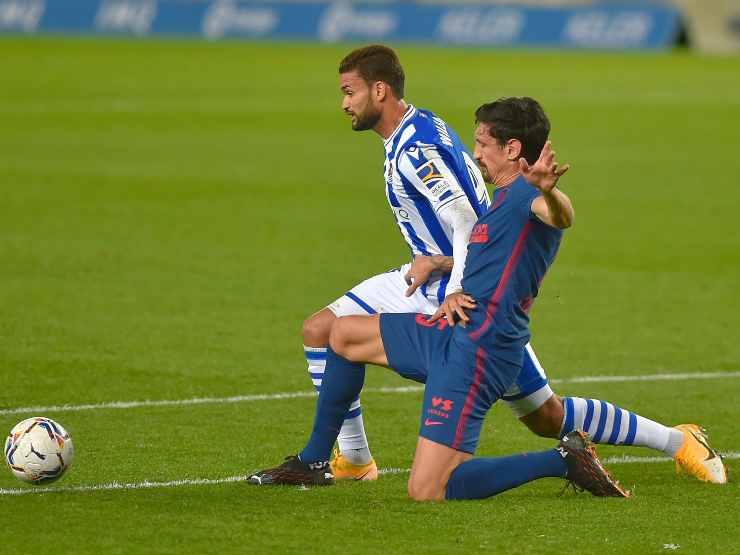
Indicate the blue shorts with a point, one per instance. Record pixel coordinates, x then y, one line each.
463 379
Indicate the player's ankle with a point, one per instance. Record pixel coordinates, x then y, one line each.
357 456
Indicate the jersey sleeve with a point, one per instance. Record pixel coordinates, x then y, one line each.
529 196
423 168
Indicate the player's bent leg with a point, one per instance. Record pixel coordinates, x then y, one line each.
344 380
352 459
548 415
433 465
547 419
358 338
574 459
607 423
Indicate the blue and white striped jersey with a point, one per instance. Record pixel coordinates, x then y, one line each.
426 168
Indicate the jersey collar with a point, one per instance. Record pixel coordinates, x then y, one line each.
410 111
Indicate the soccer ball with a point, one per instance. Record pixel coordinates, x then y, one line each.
38 450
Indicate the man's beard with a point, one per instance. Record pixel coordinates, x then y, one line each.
367 120
486 176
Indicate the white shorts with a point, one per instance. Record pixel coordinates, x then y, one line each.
387 293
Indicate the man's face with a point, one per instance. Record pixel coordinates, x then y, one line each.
358 101
490 155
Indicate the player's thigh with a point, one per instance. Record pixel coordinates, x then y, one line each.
460 392
382 293
431 470
357 338
531 389
412 344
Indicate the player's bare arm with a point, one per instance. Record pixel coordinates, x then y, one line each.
553 207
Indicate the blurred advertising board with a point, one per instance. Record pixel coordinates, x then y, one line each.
599 26
713 25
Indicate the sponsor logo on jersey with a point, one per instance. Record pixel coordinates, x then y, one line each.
430 175
444 404
440 408
479 234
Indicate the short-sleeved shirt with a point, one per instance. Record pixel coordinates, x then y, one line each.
466 369
509 252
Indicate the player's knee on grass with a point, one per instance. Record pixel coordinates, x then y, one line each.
547 420
425 490
317 327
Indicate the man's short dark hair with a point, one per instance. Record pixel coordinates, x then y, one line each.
376 63
519 118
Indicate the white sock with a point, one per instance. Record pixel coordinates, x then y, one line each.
606 423
352 439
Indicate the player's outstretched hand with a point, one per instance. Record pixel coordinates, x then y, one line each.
454 306
545 172
419 272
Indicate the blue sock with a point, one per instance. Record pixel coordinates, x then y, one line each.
342 383
481 478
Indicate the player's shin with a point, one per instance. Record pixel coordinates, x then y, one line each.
485 477
352 439
316 360
607 423
341 385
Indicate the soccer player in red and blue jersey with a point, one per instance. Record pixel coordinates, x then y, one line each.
436 193
467 367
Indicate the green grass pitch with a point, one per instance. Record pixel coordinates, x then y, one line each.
170 211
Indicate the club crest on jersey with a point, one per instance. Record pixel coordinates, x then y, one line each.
479 234
389 173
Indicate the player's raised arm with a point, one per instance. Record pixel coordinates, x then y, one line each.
553 207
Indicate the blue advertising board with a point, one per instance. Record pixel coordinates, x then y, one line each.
600 26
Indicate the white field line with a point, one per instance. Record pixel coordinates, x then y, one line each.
116 486
311 394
